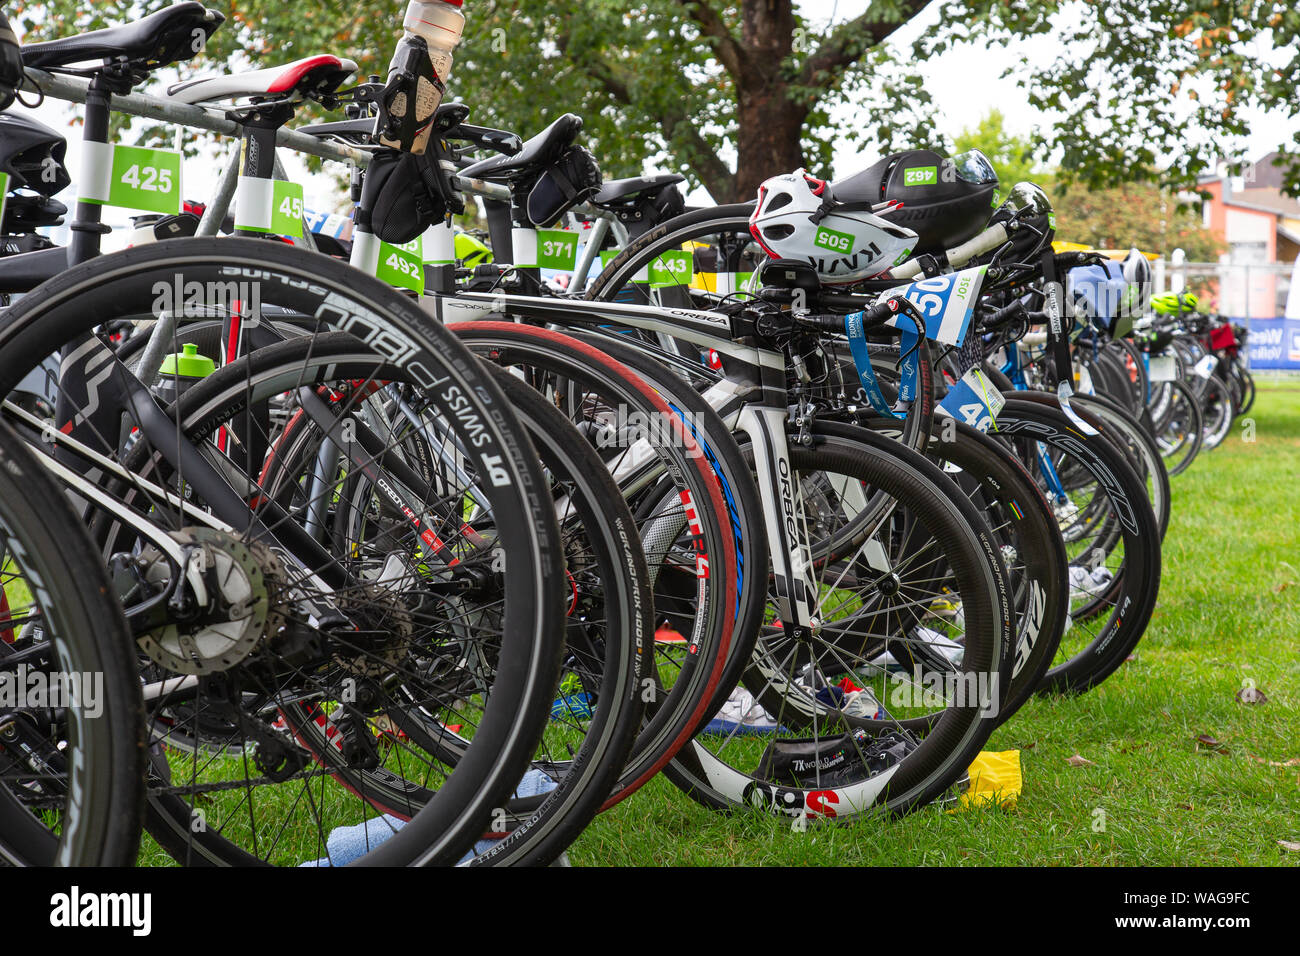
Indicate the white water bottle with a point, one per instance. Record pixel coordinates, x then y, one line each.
441 24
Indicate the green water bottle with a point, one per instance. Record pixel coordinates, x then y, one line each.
181 371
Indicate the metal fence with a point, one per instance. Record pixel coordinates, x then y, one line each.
1252 294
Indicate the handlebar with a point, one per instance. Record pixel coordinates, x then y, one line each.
986 241
873 316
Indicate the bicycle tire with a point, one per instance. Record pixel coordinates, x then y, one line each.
47 556
955 736
126 283
1132 592
552 353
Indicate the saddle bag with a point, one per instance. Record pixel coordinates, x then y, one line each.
573 178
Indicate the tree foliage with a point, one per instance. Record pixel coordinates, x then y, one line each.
732 91
1142 214
1134 214
1150 88
1012 156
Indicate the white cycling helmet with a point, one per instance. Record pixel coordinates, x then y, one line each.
1137 273
795 219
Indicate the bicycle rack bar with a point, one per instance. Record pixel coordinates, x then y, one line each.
481 188
74 90
167 111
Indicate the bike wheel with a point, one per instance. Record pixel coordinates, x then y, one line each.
1109 529
1179 430
1028 539
665 467
598 703
890 537
735 475
72 727
1247 386
273 683
1142 450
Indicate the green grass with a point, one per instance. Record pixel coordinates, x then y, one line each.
1229 613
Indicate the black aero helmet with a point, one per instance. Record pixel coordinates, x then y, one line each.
1031 224
32 154
944 201
11 63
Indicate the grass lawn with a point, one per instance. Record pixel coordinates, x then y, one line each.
1229 615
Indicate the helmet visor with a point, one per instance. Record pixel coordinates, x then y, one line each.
973 166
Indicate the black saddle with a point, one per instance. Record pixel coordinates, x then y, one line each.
618 189
168 36
536 154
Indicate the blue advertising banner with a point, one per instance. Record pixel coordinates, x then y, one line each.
1274 343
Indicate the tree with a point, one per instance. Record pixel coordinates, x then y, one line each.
1012 156
1140 214
733 91
1136 214
1150 88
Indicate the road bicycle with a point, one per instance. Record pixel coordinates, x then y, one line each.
286 663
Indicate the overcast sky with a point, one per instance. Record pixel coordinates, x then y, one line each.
964 83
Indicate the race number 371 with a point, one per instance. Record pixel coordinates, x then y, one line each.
557 249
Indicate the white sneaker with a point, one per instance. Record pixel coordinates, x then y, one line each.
741 714
940 643
1089 581
863 704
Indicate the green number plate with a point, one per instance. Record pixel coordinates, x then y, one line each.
144 179
557 249
286 209
921 176
270 206
671 269
840 242
4 194
402 266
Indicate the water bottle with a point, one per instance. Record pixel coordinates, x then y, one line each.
441 24
418 74
181 371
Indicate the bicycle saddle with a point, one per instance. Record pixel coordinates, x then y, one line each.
537 153
617 189
314 75
168 36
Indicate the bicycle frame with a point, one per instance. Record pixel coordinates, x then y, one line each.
751 399
96 388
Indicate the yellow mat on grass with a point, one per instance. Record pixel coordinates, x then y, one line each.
994 778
